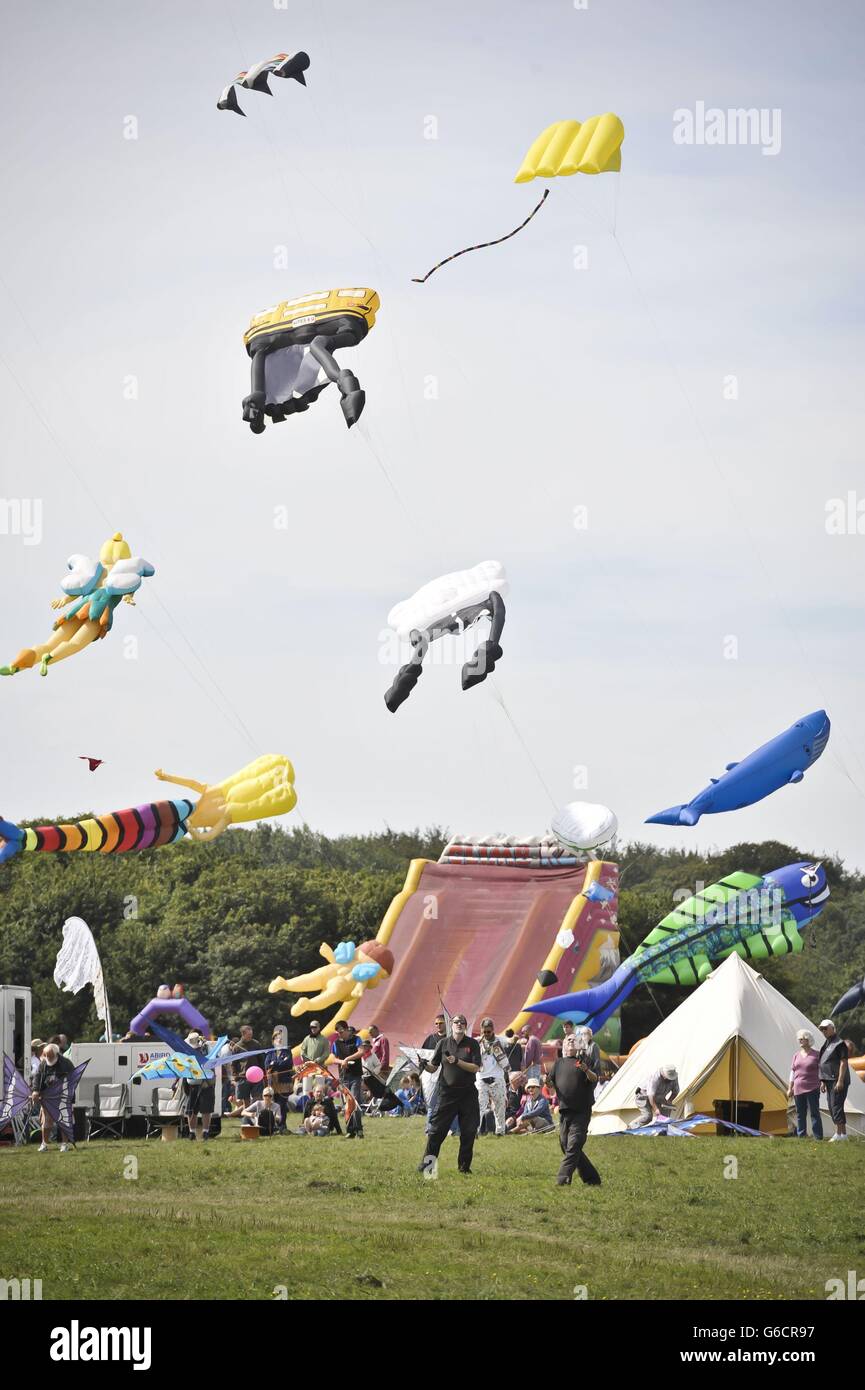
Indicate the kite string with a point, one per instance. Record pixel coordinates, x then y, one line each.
481 245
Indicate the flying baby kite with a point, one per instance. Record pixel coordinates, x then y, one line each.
255 79
93 588
349 973
783 759
264 788
565 147
292 347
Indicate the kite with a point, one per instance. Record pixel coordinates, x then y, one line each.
564 148
851 999
349 973
316 1068
165 1004
16 1095
92 763
57 1099
189 1066
262 789
581 826
783 759
445 606
78 965
292 346
757 917
255 79
93 588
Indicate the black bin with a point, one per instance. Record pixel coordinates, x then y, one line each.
741 1112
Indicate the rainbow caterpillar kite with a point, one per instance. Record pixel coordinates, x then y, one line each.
264 788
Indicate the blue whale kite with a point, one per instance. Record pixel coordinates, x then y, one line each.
757 917
781 760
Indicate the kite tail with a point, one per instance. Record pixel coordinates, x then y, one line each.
675 815
11 840
142 827
592 1006
420 280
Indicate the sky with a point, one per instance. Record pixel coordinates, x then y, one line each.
647 406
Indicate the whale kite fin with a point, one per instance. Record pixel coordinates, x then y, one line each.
675 815
592 1006
797 776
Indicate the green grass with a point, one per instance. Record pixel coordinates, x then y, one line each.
340 1219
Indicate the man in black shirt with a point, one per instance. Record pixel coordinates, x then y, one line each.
346 1049
574 1083
459 1057
430 1083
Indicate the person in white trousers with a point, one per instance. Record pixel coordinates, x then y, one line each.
492 1079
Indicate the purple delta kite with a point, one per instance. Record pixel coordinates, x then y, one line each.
57 1099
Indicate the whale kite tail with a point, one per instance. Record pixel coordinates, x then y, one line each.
11 840
592 1006
675 815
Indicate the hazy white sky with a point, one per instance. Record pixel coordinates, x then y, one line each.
553 388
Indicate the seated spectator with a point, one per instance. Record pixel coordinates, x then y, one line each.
536 1115
317 1122
409 1095
514 1100
605 1076
263 1113
323 1101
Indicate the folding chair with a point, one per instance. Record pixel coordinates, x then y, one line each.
167 1109
109 1112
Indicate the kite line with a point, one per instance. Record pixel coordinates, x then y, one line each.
420 280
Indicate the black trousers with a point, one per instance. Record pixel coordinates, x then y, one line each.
463 1104
573 1128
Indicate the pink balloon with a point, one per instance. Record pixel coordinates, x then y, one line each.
254 1074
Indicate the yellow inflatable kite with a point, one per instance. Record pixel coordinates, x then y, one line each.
263 788
349 973
566 147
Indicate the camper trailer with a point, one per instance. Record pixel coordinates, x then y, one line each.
16 1025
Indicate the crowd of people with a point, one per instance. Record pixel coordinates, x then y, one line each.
466 1086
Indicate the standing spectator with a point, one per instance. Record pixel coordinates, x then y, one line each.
569 1029
314 1048
51 1067
279 1068
804 1086
587 1045
346 1049
459 1058
36 1047
381 1048
574 1083
834 1070
374 1078
492 1079
655 1097
244 1090
200 1095
532 1053
429 1079
514 1049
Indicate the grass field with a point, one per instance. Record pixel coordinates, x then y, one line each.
348 1219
